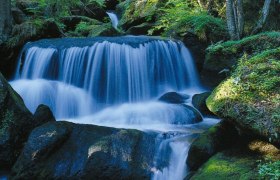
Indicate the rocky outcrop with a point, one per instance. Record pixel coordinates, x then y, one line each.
16 122
217 138
22 33
63 150
239 163
250 97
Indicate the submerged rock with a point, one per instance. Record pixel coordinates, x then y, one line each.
16 122
217 138
63 150
173 98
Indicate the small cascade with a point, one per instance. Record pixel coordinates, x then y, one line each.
115 82
114 19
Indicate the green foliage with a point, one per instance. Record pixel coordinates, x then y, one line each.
58 8
179 16
270 169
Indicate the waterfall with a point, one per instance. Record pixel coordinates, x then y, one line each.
116 82
114 19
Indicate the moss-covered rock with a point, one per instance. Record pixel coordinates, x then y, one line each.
63 150
16 122
250 98
239 163
135 12
215 139
225 55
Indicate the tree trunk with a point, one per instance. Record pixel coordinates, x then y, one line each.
231 19
235 18
5 19
265 12
240 18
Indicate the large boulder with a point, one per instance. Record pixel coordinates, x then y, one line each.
215 139
250 97
63 150
16 122
240 163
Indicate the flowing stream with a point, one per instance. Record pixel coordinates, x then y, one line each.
116 82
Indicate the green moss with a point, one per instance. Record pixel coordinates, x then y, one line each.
251 96
223 166
241 162
225 55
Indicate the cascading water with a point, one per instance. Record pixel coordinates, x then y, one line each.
116 82
114 19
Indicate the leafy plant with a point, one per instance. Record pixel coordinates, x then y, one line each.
270 169
179 17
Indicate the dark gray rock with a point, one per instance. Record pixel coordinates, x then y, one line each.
63 150
16 122
43 114
26 5
18 16
199 102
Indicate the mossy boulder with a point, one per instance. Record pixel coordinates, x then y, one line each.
250 98
134 12
217 138
63 150
238 163
16 122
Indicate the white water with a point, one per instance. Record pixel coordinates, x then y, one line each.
116 82
114 19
